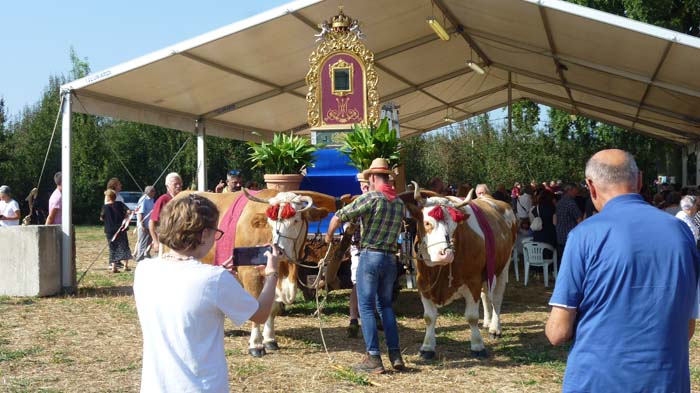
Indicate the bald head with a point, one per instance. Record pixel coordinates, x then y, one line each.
613 170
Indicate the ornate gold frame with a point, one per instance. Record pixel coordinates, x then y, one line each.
341 65
341 42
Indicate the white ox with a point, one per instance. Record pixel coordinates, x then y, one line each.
452 259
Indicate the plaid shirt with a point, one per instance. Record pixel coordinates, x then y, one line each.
381 219
567 213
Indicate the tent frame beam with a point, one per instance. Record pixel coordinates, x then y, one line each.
168 112
458 119
553 49
454 103
583 63
406 91
597 93
301 83
237 73
653 77
672 138
460 29
413 85
607 112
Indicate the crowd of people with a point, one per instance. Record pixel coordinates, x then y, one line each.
628 304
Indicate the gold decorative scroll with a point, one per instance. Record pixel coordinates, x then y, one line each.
343 41
342 114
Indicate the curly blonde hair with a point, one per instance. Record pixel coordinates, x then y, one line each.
184 219
110 195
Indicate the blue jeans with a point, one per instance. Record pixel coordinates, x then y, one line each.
375 281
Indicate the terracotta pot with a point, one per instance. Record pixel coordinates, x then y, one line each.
283 182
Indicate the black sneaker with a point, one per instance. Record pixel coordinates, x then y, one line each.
396 360
371 364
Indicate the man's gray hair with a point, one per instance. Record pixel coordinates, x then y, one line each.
607 175
57 178
484 186
688 202
171 177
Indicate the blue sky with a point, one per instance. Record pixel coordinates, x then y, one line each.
36 36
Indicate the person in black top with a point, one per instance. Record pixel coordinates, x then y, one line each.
114 214
544 208
501 194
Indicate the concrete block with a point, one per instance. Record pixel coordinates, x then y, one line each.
30 260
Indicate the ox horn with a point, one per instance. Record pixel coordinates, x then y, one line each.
467 200
416 193
305 198
254 198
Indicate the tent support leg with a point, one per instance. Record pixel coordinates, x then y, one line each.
510 105
201 156
67 272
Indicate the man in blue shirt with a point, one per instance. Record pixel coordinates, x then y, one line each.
143 214
627 300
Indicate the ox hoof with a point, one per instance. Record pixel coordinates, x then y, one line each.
256 352
494 336
480 354
427 355
272 346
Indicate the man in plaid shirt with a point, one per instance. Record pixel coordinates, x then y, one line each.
381 213
568 216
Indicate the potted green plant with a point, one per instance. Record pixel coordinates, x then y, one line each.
283 160
367 142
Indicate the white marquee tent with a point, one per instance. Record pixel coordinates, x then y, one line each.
249 76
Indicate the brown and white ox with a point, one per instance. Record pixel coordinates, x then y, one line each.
273 217
452 259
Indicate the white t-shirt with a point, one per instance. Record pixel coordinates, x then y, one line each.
524 205
181 307
8 209
691 224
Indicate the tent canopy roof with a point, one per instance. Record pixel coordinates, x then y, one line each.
249 76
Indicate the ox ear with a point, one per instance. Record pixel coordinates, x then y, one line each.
315 214
259 220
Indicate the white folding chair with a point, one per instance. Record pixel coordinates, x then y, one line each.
517 249
533 254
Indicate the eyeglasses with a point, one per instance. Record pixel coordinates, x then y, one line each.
219 233
234 172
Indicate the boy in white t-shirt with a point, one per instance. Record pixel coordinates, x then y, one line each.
182 302
9 208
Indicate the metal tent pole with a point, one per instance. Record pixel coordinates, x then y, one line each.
510 105
67 273
201 156
684 166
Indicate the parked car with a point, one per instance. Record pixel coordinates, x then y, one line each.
131 199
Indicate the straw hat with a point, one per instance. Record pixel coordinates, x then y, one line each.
378 166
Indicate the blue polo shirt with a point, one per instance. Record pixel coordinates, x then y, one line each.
631 273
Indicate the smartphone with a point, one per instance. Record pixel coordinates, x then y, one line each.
250 256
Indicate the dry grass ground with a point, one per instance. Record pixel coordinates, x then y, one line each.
91 342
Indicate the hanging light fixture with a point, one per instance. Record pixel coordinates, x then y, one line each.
474 66
436 26
438 29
